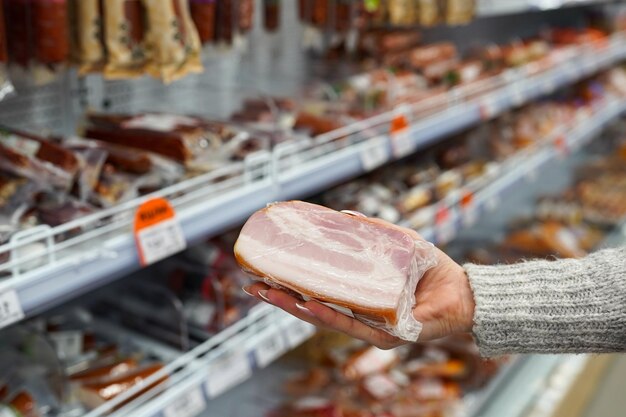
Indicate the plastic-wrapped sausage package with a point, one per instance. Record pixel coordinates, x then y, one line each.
358 266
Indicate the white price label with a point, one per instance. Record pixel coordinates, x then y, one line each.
6 411
271 346
446 232
299 331
470 216
374 154
161 240
518 96
189 405
228 371
402 144
10 308
493 203
488 109
548 86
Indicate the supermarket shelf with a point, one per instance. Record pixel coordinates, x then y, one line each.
48 267
520 168
209 370
498 8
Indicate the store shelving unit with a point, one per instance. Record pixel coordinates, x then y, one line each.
45 273
266 333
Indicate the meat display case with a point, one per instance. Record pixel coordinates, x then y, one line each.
43 272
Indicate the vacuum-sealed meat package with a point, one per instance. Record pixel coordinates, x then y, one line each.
124 31
360 267
88 49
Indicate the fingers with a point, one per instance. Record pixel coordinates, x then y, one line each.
323 316
352 327
282 300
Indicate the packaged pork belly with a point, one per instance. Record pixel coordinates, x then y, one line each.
358 266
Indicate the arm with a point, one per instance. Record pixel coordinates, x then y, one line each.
551 307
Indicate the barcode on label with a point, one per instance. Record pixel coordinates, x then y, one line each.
10 308
374 154
228 371
271 346
189 405
161 240
298 332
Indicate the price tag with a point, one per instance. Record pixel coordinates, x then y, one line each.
188 405
518 96
10 308
374 154
445 229
492 203
228 371
469 211
157 231
548 85
298 331
488 109
271 346
401 143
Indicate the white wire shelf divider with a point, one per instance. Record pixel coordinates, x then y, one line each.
44 266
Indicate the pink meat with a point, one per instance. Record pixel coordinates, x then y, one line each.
328 254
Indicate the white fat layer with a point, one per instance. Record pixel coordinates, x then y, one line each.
381 287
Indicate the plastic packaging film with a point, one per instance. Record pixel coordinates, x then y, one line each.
358 266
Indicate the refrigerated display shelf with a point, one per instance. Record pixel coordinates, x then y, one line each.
230 357
460 212
47 267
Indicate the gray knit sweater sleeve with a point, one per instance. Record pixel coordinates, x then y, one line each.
551 306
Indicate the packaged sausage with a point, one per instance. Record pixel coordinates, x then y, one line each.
204 15
108 371
271 15
94 394
6 87
172 41
36 158
18 32
459 12
403 12
245 15
299 262
88 49
429 12
50 31
124 34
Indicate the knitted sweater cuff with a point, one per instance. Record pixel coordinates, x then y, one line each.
551 306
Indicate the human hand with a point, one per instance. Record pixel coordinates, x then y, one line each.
444 304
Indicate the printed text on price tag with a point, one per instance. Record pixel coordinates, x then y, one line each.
401 142
10 308
188 405
228 371
157 231
374 153
270 347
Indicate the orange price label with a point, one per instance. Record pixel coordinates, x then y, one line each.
467 199
560 143
157 231
401 141
442 215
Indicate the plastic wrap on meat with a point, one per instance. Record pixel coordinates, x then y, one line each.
363 268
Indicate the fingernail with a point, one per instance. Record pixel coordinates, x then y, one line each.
305 310
353 213
245 289
263 295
